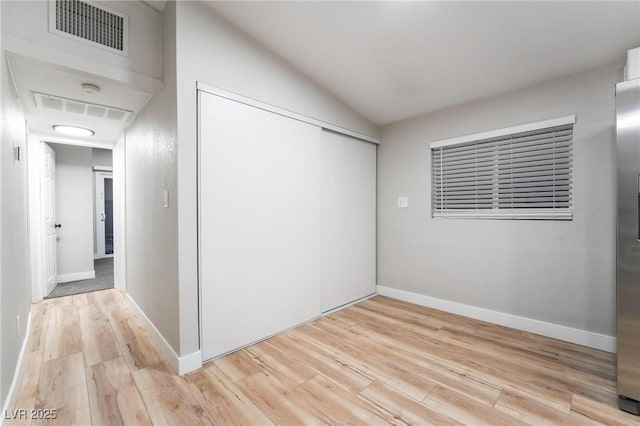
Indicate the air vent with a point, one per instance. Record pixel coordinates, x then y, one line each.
79 107
90 23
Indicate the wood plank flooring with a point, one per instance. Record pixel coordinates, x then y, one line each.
381 361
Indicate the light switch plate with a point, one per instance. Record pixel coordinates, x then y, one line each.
403 202
165 199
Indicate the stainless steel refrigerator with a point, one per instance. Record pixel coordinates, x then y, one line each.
628 256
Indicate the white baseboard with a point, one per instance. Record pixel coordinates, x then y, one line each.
560 332
76 276
10 401
181 364
189 363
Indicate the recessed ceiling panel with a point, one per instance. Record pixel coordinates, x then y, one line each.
43 100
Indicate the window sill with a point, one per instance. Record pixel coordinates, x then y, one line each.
519 215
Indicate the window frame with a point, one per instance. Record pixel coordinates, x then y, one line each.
551 213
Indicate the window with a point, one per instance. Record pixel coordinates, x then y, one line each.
523 172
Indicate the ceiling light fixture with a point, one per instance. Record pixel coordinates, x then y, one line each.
73 130
90 89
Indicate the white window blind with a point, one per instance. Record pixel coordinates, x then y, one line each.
524 172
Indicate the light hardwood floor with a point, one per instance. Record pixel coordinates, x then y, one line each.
379 362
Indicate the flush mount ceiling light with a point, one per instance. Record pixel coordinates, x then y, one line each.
90 89
73 130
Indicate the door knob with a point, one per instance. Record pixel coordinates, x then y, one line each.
57 225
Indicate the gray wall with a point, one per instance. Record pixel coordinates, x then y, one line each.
559 272
74 208
152 231
102 157
14 263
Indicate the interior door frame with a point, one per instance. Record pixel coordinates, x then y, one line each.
34 156
99 176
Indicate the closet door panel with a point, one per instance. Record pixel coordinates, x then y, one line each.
260 195
348 220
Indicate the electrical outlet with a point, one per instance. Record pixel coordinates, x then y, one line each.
403 202
18 325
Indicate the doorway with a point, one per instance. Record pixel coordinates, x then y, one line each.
75 211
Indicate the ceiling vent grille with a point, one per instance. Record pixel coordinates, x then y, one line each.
79 107
90 23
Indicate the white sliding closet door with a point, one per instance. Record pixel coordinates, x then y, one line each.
348 219
260 195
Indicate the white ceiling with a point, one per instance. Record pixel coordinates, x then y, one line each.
36 76
394 60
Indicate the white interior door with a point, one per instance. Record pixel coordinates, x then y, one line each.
48 203
259 223
104 214
348 219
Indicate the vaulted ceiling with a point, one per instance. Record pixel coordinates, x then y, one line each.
394 60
